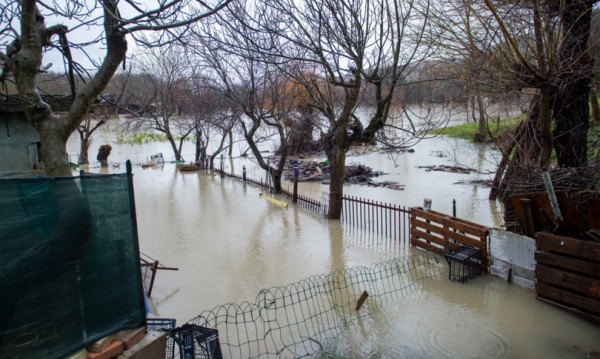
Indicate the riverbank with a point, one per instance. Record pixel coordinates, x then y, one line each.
498 130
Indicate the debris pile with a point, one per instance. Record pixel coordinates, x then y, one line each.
444 168
355 173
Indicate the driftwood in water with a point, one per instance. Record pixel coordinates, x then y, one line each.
444 168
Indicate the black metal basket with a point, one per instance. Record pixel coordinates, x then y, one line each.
464 263
195 342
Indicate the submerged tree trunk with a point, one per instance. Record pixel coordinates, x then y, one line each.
337 171
84 148
482 130
176 150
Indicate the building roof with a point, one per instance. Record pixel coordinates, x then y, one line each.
11 103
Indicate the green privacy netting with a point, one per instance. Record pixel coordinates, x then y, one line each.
69 264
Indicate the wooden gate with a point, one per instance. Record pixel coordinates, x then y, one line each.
440 233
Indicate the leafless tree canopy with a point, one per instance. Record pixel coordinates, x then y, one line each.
340 54
79 28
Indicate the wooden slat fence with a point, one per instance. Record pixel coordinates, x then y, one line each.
440 233
385 219
568 274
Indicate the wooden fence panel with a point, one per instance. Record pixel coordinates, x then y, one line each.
568 274
440 233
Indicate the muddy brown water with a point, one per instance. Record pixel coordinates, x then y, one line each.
228 244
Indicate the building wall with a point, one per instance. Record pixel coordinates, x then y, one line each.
18 145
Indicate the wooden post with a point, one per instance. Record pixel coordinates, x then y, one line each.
296 174
361 300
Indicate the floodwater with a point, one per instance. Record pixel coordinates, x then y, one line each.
229 243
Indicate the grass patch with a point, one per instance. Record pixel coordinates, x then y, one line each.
468 130
499 129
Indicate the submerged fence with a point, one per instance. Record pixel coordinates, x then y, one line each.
385 219
310 316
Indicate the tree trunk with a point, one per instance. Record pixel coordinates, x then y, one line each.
571 108
276 177
336 145
176 151
55 130
84 148
337 172
482 131
53 150
230 132
198 147
544 126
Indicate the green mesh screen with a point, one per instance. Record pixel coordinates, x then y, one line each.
69 264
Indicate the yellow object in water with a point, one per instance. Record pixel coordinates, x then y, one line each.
273 200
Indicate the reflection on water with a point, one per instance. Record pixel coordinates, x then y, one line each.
487 318
228 244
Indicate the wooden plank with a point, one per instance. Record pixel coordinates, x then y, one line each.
131 337
448 235
559 278
587 316
115 348
472 242
429 247
572 264
273 200
101 344
430 227
589 250
429 237
569 298
462 225
594 213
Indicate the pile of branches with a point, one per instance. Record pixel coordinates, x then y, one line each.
319 171
574 180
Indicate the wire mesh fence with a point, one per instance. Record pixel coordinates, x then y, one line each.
302 319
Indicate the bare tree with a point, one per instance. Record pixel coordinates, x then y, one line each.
543 45
164 94
253 87
211 116
97 117
29 38
337 49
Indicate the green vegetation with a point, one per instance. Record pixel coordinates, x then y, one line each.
468 130
499 129
139 138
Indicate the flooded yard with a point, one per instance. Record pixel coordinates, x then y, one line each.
229 243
